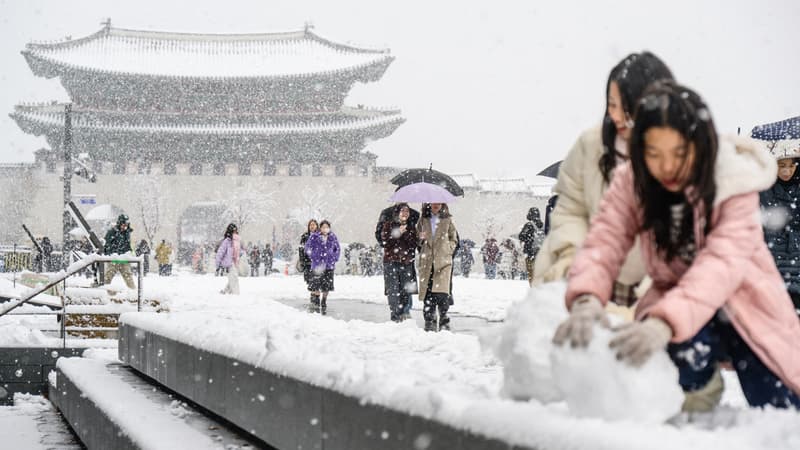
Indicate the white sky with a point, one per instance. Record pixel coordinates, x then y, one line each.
496 88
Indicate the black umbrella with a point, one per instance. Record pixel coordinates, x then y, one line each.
411 176
551 170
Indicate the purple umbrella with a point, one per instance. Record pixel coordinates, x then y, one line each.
422 193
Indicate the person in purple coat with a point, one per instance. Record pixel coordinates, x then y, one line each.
322 248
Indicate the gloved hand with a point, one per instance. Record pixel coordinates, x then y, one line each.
587 310
636 341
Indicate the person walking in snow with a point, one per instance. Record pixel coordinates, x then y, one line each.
323 250
266 259
47 255
779 202
162 257
491 255
692 199
254 259
588 170
507 259
531 236
228 259
399 251
465 257
304 262
437 242
118 242
143 250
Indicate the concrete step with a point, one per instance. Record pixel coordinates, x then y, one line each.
108 405
282 411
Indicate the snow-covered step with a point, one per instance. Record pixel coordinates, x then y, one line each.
32 423
215 366
109 406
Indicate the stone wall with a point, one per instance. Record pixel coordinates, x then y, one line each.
259 203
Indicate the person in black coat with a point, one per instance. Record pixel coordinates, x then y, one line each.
305 260
551 205
781 205
143 250
531 236
267 257
387 215
47 254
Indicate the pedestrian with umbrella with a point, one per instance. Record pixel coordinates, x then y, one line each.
437 244
779 202
426 185
399 252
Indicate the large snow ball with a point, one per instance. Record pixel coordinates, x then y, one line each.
523 343
595 384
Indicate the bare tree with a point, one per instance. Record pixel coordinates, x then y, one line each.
318 202
247 206
148 207
493 219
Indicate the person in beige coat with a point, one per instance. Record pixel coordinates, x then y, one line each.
586 173
437 243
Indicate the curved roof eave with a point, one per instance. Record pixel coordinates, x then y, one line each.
52 69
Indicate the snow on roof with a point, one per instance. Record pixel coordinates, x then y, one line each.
465 180
503 185
138 52
540 186
38 119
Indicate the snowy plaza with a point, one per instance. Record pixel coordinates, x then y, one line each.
358 225
452 377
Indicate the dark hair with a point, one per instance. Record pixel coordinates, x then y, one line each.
632 75
325 222
443 213
308 225
230 230
668 104
397 208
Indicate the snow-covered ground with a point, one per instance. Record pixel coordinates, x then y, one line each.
33 424
463 379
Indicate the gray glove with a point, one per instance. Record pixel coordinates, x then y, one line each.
636 341
587 310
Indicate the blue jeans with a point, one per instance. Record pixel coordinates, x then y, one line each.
491 271
718 341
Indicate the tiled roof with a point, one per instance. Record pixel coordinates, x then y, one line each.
151 53
39 119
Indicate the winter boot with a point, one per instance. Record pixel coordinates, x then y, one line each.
314 299
444 323
707 397
323 305
430 326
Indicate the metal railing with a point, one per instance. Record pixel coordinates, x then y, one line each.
72 270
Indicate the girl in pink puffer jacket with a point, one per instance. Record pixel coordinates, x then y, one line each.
716 295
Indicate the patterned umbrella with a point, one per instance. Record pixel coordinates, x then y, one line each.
781 138
422 193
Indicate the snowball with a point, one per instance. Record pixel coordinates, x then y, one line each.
595 384
523 344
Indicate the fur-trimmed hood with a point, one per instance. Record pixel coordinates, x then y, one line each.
743 165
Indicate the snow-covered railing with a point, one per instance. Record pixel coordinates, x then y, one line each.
72 270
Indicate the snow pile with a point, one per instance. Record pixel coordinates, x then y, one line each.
17 335
591 380
595 384
523 344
